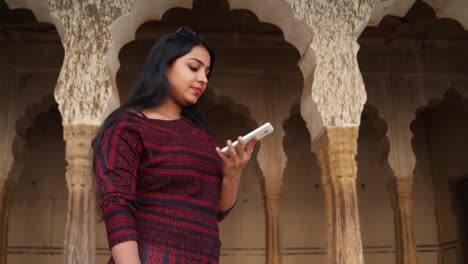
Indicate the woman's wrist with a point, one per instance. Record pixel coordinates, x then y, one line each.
231 180
126 252
229 191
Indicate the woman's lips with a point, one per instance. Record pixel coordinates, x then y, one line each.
197 90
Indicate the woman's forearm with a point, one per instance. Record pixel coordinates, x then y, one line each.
126 253
228 194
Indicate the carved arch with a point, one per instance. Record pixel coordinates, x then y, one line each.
22 125
41 11
277 12
452 9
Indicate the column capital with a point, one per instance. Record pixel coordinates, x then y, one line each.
272 189
78 153
272 161
401 195
335 16
401 187
335 150
85 85
334 88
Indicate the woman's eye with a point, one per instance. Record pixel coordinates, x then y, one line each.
194 69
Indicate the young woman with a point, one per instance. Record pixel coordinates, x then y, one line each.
162 183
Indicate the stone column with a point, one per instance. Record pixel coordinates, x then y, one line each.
5 205
85 92
273 245
272 161
402 161
85 89
332 102
335 151
80 227
401 194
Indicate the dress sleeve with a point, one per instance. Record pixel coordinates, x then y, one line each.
116 169
223 214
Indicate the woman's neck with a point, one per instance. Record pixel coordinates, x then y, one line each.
165 111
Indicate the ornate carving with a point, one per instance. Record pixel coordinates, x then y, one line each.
272 161
335 150
401 194
80 228
84 86
337 91
78 153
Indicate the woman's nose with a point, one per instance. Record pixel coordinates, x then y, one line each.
202 78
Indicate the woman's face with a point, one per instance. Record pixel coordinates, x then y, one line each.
187 76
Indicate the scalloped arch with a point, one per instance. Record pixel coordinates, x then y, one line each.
40 10
210 99
375 121
124 29
452 9
434 101
276 12
22 124
280 14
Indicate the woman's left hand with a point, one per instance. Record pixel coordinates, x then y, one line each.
236 158
233 164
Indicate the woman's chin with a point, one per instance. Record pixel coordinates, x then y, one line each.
189 102
192 101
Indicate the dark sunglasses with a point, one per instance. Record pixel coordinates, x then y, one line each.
186 32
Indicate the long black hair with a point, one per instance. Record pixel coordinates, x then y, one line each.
152 87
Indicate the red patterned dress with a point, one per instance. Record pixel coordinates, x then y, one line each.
158 183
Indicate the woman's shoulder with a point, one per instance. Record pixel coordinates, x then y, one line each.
126 121
122 118
121 129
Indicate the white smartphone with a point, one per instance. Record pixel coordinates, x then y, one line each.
258 133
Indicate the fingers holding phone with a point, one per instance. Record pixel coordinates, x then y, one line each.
240 149
236 157
248 149
236 154
258 134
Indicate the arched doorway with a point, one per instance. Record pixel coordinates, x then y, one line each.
253 60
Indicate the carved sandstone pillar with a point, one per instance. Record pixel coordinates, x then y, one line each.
273 245
85 93
402 161
80 227
85 87
335 151
272 161
5 205
332 102
401 194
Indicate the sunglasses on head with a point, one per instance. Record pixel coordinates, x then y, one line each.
184 31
